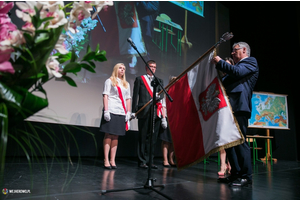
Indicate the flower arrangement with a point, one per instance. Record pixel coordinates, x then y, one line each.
27 60
31 55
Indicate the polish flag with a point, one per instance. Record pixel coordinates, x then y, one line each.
200 117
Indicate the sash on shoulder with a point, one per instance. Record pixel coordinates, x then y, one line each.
123 104
158 104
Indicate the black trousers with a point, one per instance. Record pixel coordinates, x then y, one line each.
240 156
143 151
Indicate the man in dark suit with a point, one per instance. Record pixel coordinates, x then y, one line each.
141 96
239 82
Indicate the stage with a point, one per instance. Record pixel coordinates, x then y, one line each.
87 178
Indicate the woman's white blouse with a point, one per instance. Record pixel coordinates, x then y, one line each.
114 101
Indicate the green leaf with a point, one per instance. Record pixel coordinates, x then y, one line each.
88 67
41 89
74 56
28 38
70 81
72 67
68 5
41 38
47 19
101 56
38 76
20 103
88 49
46 77
92 64
97 48
62 58
102 52
46 24
89 56
35 21
41 31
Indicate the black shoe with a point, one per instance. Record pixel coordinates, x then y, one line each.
144 166
114 167
154 167
227 180
240 182
173 165
107 167
167 166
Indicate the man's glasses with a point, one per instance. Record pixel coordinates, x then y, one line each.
234 50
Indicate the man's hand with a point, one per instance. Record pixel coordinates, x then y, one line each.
132 116
216 59
107 115
157 96
164 123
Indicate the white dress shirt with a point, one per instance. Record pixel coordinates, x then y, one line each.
114 101
149 80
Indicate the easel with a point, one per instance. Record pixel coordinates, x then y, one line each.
184 38
268 157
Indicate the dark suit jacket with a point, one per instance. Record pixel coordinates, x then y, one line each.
141 96
239 83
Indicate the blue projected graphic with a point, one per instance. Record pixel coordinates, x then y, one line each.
196 7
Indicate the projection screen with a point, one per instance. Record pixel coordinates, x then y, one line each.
177 38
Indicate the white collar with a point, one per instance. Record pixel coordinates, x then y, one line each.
149 76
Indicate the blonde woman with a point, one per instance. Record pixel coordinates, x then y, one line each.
116 113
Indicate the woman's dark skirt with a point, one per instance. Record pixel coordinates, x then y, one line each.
165 135
116 125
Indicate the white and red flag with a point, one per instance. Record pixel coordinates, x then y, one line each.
200 117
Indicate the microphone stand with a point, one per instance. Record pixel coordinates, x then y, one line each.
149 183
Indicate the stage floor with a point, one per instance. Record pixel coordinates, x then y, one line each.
86 180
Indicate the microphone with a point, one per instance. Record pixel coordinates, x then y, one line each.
131 42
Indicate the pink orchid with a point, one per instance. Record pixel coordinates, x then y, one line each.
6 67
5 7
28 26
6 30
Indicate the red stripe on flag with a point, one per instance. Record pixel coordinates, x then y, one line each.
185 127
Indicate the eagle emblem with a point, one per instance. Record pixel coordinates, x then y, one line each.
211 100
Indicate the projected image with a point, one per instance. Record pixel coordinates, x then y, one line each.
196 7
174 34
158 30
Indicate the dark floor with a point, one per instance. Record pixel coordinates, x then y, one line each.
88 179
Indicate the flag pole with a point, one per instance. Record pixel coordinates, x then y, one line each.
226 36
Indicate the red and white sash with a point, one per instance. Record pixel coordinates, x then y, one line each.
158 104
123 104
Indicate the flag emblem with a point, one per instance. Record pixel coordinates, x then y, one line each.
211 99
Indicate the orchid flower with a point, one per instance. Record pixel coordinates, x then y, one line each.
27 9
60 46
52 66
78 13
99 5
